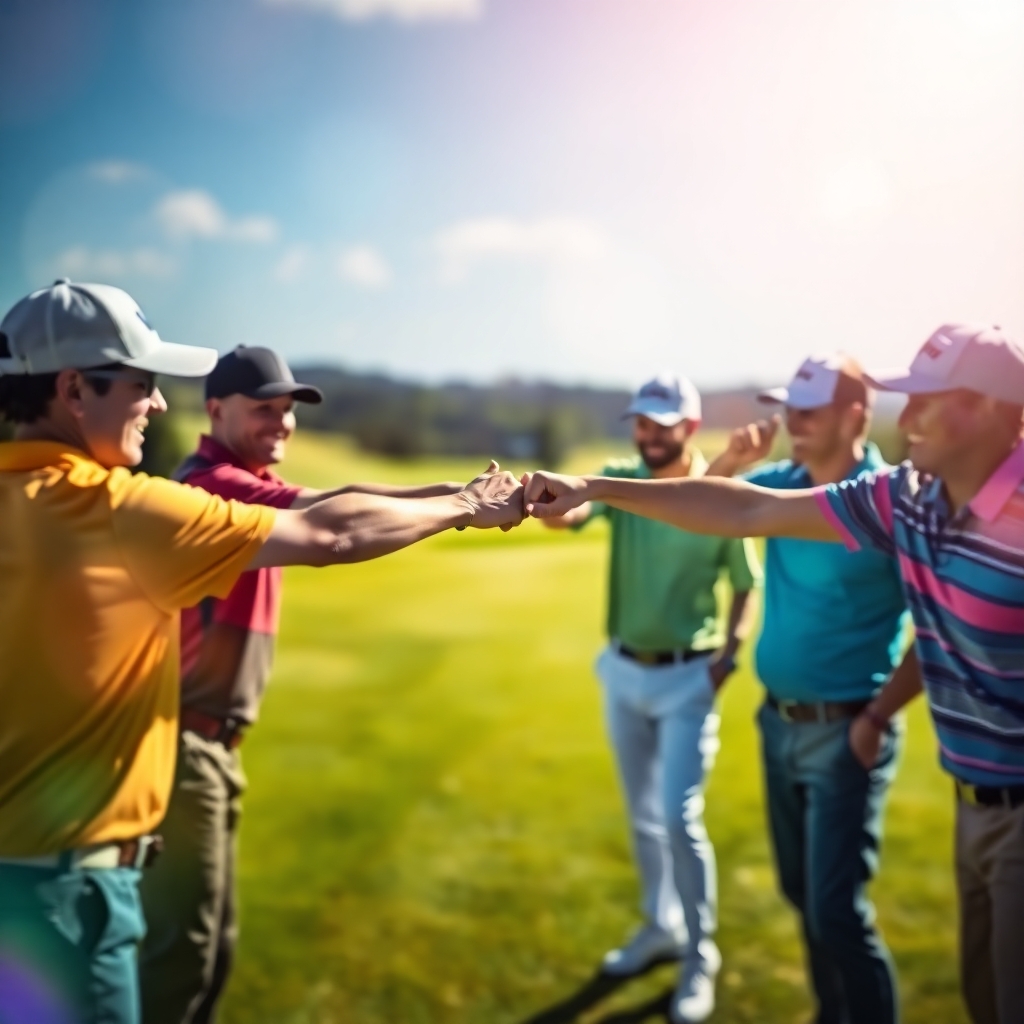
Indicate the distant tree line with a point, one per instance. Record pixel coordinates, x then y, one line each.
534 422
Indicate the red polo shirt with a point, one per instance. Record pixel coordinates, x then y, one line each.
227 646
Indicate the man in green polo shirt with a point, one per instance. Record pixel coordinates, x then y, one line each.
667 657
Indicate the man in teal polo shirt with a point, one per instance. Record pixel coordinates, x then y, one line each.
666 658
832 634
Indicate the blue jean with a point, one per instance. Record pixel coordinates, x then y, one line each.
68 945
825 812
664 731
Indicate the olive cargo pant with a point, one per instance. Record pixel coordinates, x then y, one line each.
189 894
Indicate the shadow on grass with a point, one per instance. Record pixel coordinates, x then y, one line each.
596 989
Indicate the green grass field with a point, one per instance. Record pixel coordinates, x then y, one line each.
434 830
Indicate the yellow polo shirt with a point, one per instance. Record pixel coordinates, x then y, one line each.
95 565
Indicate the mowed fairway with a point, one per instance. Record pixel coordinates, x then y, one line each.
434 830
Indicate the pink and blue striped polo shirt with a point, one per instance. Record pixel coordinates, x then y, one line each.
963 576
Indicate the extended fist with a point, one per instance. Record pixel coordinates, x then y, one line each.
550 494
495 498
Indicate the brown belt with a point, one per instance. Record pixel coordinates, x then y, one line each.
226 731
821 711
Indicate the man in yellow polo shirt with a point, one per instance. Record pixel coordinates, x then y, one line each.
95 565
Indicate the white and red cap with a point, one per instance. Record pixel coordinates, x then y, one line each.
667 399
81 326
820 381
979 358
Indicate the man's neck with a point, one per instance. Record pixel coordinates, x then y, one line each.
255 469
678 467
50 430
962 481
836 466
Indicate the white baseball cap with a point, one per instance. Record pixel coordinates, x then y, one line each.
78 326
979 358
821 381
667 399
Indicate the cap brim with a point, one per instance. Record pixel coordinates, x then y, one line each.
663 419
277 388
774 396
176 360
906 382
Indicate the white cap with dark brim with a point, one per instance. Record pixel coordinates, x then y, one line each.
667 399
81 326
820 381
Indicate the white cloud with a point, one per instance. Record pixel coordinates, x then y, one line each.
550 240
253 229
81 262
114 172
399 10
194 213
364 267
292 265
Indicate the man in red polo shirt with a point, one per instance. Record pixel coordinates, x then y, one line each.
227 649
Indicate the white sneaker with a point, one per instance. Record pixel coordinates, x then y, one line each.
650 945
694 998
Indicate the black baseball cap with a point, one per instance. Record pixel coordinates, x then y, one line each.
257 373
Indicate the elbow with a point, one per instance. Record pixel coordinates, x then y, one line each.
330 548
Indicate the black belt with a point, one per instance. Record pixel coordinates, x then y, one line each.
225 731
821 711
990 796
661 657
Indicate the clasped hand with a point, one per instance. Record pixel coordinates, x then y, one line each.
497 498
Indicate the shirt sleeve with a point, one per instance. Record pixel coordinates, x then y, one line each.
861 509
182 544
235 484
739 559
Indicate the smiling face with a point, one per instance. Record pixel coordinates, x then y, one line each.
819 435
255 429
660 446
113 423
944 429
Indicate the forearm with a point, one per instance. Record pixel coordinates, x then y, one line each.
574 517
308 497
903 686
726 508
356 527
741 621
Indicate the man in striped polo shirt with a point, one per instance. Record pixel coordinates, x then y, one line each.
954 518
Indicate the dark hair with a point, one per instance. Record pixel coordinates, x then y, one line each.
25 398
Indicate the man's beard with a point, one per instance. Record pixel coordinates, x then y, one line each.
665 457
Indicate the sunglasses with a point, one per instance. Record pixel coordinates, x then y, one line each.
138 377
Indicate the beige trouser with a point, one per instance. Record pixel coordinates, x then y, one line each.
990 879
188 895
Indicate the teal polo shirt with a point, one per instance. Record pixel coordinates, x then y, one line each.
661 585
833 618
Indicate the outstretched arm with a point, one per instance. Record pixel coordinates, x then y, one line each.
309 496
726 508
357 527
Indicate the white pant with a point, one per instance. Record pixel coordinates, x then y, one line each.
664 731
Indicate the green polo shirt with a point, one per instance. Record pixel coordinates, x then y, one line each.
661 589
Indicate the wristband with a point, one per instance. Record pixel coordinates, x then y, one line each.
880 723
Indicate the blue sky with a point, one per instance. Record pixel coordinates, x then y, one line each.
583 190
